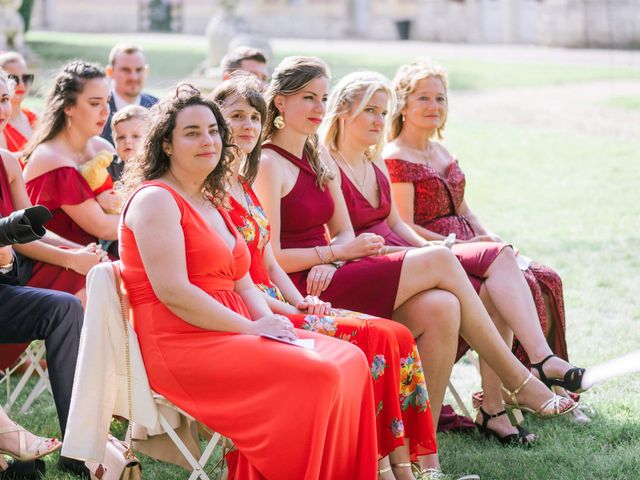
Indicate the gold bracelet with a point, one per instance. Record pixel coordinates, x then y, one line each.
333 255
8 265
321 254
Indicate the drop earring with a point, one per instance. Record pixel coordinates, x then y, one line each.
278 122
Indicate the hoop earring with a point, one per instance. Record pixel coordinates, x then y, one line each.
278 122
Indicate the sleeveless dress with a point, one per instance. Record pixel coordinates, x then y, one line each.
436 202
369 284
58 187
43 275
292 413
389 346
14 138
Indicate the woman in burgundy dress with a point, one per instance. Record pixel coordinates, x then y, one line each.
428 186
402 414
67 136
353 134
425 289
54 263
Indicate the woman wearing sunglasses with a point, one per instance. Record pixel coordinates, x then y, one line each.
22 121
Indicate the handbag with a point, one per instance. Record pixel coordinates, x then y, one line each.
119 462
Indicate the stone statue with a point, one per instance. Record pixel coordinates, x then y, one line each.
11 25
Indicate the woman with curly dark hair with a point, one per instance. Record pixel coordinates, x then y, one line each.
292 413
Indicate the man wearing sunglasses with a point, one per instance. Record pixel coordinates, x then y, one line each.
22 121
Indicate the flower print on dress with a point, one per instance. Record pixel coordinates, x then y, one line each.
377 366
397 428
261 220
247 231
272 291
413 389
320 324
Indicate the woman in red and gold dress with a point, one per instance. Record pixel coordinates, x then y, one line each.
292 413
66 137
20 126
353 132
402 414
304 203
428 186
53 262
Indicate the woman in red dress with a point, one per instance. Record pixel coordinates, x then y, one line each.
54 262
67 136
428 186
22 121
402 414
302 201
292 413
353 134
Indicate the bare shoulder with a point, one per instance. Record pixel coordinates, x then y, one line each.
149 204
442 151
327 159
11 164
271 161
45 158
98 144
379 162
392 150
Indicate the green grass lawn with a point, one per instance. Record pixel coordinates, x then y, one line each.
567 200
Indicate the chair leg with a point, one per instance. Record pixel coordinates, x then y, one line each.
198 470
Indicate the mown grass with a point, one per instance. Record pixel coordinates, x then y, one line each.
566 199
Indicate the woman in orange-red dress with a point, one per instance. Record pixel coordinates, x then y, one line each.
293 413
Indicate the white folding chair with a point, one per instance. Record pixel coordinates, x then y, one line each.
31 358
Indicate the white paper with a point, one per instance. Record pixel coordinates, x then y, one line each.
308 343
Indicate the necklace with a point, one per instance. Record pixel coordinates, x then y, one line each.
353 173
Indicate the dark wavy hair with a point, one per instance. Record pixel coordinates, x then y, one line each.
247 86
153 162
67 85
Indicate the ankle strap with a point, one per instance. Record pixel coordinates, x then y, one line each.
519 388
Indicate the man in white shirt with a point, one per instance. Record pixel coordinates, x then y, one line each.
127 70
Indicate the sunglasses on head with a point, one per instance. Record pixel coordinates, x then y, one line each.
26 78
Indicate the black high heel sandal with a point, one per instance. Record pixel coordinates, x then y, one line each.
572 380
519 439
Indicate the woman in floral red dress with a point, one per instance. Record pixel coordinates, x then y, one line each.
428 186
401 416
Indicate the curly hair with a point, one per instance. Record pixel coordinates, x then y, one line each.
153 162
67 86
289 77
404 84
351 95
247 86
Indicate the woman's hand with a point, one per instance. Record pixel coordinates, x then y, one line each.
275 325
319 278
364 245
312 305
84 259
6 255
108 200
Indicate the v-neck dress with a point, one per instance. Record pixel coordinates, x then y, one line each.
293 413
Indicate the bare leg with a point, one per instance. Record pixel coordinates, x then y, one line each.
436 267
512 298
398 459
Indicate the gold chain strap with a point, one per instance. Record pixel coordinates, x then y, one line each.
124 310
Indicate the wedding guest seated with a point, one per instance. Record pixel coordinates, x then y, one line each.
20 126
128 71
185 269
353 132
247 59
54 262
67 138
428 186
404 423
128 126
303 201
28 314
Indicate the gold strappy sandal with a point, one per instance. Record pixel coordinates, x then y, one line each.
554 407
38 448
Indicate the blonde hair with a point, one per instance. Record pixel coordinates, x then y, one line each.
289 77
351 95
127 113
127 48
404 84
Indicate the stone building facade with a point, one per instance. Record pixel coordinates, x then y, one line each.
574 23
